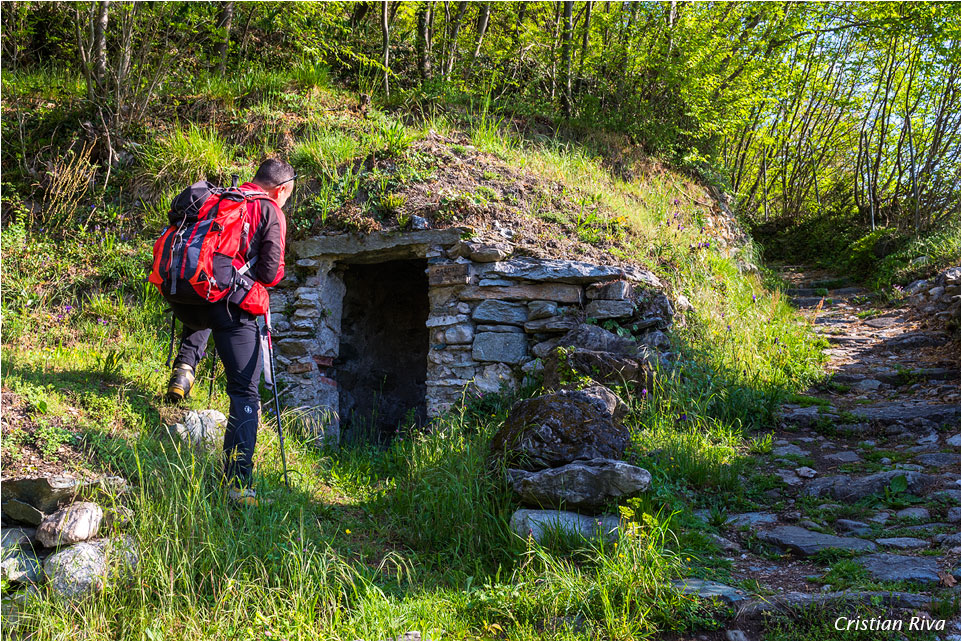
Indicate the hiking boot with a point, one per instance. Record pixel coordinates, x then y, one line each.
181 379
244 497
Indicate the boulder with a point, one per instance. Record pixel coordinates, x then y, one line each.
562 365
559 428
76 570
539 524
74 523
805 542
82 569
847 488
580 485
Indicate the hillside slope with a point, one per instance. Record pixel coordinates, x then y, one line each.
372 542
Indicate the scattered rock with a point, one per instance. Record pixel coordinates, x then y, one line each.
541 523
753 520
75 523
735 635
887 567
915 512
939 460
559 428
725 545
709 590
790 449
805 472
844 457
788 602
203 429
853 527
581 485
902 543
805 542
847 488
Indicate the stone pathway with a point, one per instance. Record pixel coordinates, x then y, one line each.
864 466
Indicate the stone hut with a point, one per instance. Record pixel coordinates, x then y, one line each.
372 331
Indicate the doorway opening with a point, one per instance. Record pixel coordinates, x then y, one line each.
382 365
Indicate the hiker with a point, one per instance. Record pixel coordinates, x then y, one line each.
258 263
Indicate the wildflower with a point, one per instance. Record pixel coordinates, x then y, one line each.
776 340
644 392
676 201
754 298
347 530
68 308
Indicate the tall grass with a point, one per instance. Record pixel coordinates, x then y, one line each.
186 155
321 152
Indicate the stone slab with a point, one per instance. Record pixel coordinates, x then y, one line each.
499 346
558 292
887 567
376 247
554 270
805 542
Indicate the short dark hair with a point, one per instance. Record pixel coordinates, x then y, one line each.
273 172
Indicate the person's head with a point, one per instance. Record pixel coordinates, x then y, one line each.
276 177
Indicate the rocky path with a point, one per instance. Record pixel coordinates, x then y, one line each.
864 469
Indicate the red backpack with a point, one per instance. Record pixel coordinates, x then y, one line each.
193 258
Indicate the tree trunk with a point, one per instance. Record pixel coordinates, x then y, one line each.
483 18
360 10
584 39
100 47
224 23
566 59
386 46
453 29
423 40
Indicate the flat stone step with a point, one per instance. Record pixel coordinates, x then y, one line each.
848 292
809 301
825 320
904 411
805 542
845 339
804 292
887 567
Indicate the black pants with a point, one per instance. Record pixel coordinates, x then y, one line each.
236 338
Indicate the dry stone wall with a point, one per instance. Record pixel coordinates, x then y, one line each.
491 316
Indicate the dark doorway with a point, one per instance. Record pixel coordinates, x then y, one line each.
382 365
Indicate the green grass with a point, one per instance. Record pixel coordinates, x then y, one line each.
320 153
186 155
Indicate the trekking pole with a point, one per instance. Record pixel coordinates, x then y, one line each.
213 374
267 347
